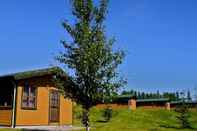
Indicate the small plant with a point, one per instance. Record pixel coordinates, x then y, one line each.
107 113
183 114
77 111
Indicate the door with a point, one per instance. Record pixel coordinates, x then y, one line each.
54 106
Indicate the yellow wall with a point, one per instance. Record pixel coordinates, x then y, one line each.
5 117
40 116
65 111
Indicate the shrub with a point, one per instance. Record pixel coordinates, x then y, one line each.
183 115
107 113
77 111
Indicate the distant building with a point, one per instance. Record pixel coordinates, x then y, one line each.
131 102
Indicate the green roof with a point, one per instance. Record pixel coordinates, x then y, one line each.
35 73
187 102
153 100
126 98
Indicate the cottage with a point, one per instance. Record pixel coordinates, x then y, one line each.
191 104
131 102
149 103
31 98
119 102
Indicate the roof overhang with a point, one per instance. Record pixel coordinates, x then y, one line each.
34 73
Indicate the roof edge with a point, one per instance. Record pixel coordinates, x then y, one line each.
35 73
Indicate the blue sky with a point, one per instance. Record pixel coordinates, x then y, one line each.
159 37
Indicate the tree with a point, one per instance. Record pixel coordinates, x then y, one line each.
171 96
183 113
91 56
139 95
143 95
195 95
158 94
147 96
177 96
131 93
189 96
135 94
124 92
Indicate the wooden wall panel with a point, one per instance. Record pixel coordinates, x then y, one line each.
40 116
5 117
65 111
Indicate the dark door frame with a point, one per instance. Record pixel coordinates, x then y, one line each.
13 83
58 117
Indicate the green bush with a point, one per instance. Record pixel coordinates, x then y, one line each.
77 112
107 113
183 115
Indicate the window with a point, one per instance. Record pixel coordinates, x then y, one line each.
55 99
6 94
6 98
29 97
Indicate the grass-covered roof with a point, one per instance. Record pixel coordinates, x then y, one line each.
35 73
153 100
126 98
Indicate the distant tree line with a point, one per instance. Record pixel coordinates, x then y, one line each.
173 96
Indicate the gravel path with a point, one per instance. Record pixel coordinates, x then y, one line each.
49 128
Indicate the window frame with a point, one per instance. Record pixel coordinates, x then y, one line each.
7 107
7 99
22 96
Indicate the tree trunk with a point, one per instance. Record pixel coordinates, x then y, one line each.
87 128
85 119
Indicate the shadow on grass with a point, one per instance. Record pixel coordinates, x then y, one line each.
175 127
102 121
169 126
32 130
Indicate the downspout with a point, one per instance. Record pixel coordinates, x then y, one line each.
14 106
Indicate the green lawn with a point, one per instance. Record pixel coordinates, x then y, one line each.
139 120
6 129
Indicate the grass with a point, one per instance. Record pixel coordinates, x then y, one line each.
139 120
7 129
